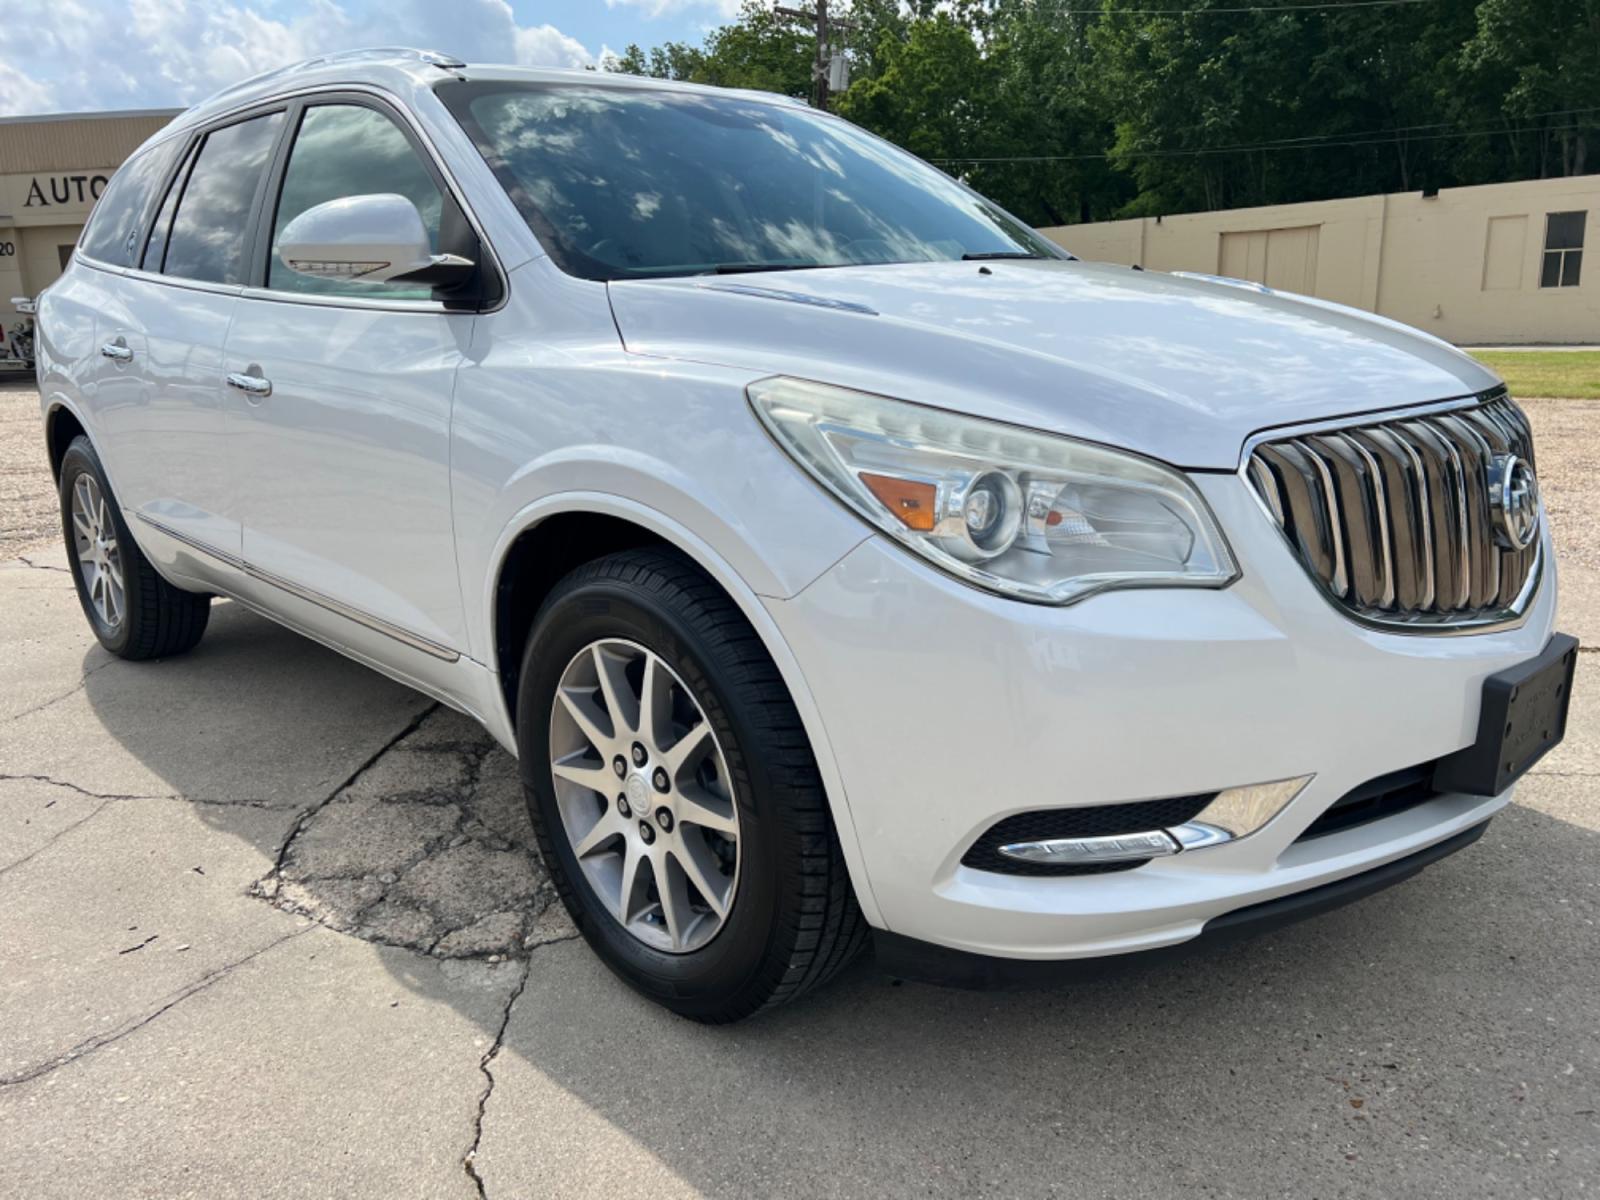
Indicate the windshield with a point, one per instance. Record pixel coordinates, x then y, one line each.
629 182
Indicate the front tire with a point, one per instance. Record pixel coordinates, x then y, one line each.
134 612
674 795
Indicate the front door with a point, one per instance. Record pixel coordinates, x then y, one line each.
340 413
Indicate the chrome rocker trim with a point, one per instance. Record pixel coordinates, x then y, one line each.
337 607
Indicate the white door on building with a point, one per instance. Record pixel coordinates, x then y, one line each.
1285 259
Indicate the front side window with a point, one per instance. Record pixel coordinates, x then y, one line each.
112 234
1563 249
624 182
210 230
350 150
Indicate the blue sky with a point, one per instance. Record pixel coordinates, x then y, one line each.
87 55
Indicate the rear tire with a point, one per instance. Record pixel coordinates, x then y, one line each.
791 921
134 612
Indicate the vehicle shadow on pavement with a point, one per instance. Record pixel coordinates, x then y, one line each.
1454 1014
1437 1038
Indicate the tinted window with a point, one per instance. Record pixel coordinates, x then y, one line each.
212 225
114 227
347 150
623 181
156 248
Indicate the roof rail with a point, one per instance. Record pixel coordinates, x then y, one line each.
432 58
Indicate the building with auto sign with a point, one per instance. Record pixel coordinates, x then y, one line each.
52 170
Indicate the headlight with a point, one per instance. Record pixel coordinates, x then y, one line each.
1025 514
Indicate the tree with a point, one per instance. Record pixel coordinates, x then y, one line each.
931 91
1538 62
1076 110
757 50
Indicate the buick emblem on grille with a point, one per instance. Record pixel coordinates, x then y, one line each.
1513 501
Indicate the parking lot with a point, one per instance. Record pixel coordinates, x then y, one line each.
270 925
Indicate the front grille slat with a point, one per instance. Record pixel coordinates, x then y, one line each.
1360 516
1483 555
1310 517
1393 518
1410 525
1447 514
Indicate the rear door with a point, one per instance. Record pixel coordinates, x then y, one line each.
162 408
343 466
96 347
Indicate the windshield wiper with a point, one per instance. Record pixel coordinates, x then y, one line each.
752 268
993 254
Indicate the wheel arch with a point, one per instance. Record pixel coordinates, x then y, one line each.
61 426
535 552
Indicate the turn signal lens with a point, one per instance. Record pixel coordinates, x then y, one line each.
912 501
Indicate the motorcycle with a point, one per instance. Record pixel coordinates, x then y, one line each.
16 343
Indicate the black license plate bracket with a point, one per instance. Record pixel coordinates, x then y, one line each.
1524 716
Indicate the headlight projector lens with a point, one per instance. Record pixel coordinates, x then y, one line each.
991 515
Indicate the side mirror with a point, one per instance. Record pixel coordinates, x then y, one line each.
376 238
26 306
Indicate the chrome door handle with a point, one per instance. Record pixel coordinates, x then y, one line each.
254 385
117 353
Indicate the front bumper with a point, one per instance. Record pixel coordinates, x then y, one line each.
923 962
947 709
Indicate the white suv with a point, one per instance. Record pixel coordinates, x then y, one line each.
840 558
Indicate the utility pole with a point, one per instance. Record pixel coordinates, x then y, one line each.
825 25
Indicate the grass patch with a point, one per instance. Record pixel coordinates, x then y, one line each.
1572 374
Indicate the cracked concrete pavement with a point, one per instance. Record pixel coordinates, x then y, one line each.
270 925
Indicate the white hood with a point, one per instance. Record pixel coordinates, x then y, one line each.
1181 369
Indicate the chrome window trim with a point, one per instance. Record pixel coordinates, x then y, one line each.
370 304
396 106
192 285
1513 616
310 595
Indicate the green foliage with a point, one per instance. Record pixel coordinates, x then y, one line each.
758 50
1077 110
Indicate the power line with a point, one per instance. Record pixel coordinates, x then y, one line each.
1374 138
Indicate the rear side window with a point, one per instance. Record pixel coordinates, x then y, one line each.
155 250
112 235
211 228
350 150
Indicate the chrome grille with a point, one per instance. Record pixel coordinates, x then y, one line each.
1392 518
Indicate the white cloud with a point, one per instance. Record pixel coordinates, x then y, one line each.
547 46
19 93
659 8
159 53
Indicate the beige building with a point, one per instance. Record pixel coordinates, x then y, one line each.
1502 263
52 169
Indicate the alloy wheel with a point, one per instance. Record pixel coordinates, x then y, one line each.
644 794
99 558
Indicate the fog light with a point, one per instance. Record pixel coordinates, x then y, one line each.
1078 851
1232 814
1238 812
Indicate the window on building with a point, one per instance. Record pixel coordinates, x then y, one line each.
64 253
212 223
349 150
1563 249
